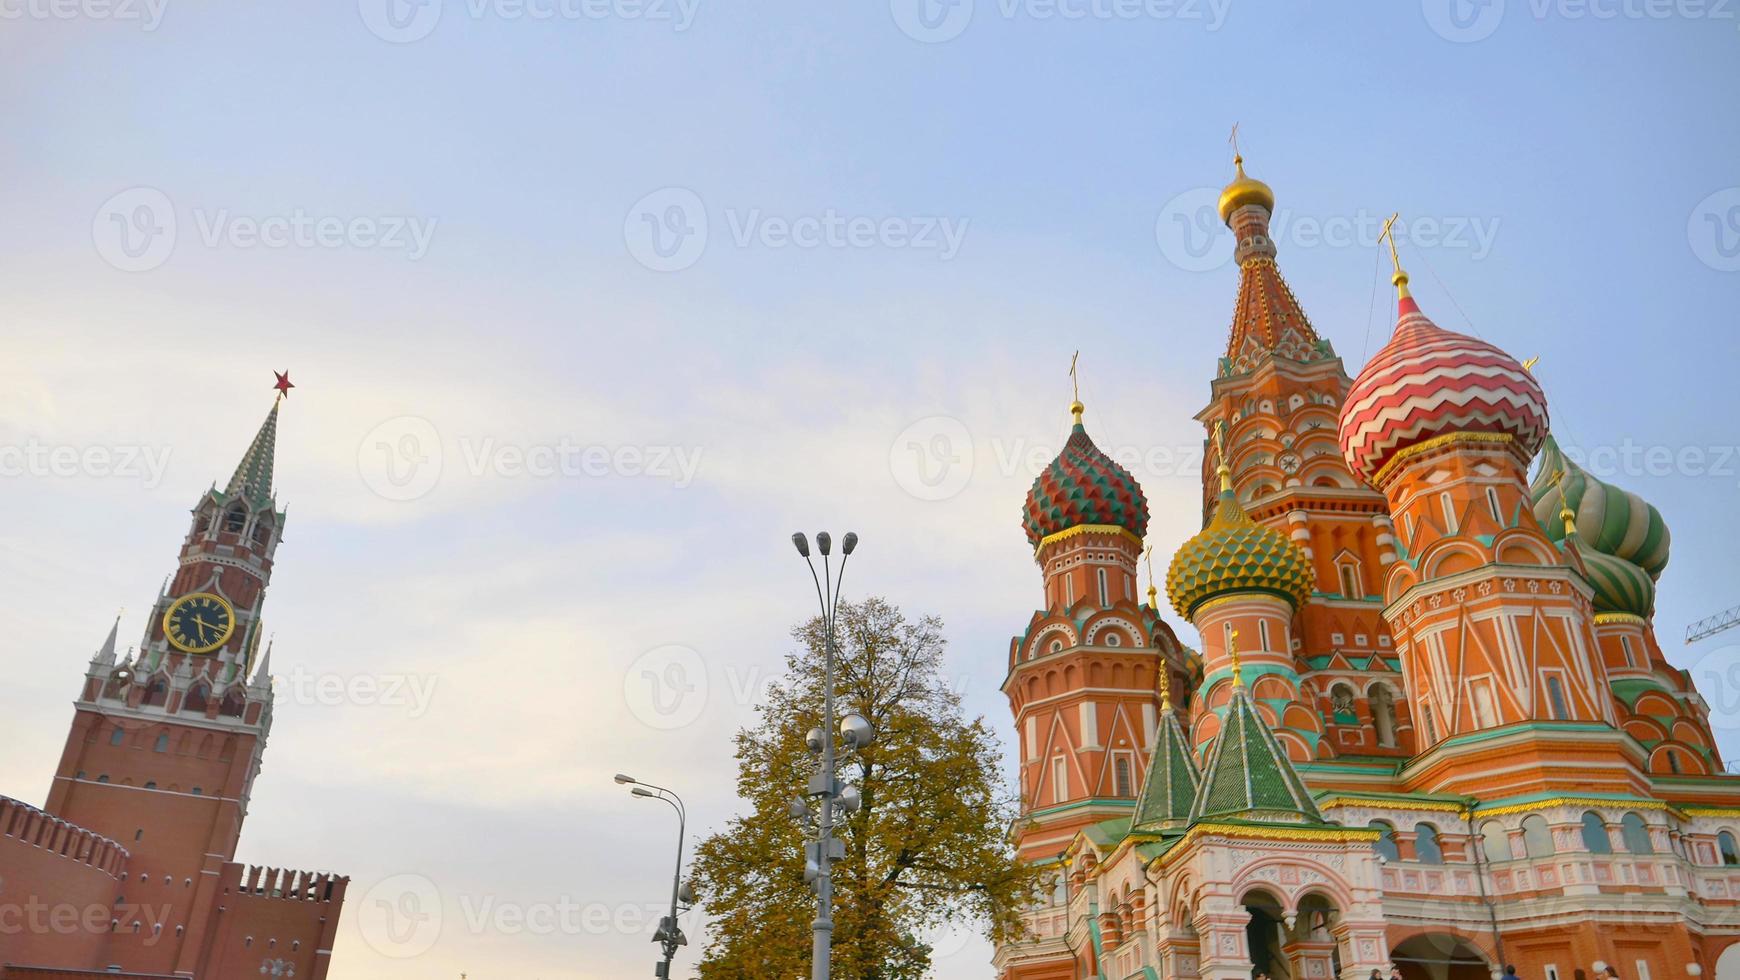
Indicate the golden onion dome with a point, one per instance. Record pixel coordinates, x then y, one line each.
1244 190
1236 554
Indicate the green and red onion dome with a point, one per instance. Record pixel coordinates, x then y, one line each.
1083 486
1429 382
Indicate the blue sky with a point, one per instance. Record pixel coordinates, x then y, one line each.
468 277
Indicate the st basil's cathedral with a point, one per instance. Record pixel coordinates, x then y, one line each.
1430 727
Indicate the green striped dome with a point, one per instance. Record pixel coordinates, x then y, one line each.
1620 586
1610 520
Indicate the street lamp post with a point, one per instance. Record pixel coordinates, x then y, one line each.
669 934
831 799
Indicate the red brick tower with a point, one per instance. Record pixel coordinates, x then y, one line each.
163 753
1083 677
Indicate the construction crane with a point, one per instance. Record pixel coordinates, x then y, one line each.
1710 626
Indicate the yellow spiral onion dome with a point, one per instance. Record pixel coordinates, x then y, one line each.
1236 554
1244 190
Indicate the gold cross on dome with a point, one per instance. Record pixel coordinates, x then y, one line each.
1388 234
1234 139
1074 382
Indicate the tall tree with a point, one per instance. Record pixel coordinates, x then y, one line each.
929 847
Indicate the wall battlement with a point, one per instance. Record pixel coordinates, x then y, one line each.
29 825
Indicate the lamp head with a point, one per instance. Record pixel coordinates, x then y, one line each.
801 543
642 791
622 780
849 542
824 543
856 731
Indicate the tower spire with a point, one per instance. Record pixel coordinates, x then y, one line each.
1153 593
253 476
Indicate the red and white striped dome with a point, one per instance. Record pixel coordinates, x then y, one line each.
1427 382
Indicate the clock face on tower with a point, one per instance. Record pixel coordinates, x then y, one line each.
199 622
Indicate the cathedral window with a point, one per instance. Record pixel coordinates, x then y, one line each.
1059 780
1537 838
1263 634
1431 726
1449 507
1595 834
1485 710
1630 656
1385 845
1556 695
103 778
1497 841
117 736
1105 594
1492 502
1730 849
1635 834
1350 587
198 792
162 743
1121 777
1383 714
1114 639
1427 849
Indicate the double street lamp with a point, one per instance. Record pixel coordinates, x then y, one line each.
669 934
831 800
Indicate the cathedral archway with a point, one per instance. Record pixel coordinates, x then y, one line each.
1440 956
1266 934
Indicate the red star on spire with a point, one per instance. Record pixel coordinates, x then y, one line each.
283 384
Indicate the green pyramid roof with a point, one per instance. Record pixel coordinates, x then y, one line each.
1248 776
1172 780
253 477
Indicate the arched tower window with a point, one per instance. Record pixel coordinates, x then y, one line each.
1635 834
1730 850
1595 834
235 519
1537 837
157 694
232 705
1496 840
1385 845
196 699
1556 698
1383 714
1426 847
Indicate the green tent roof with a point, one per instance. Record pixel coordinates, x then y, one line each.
1248 775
